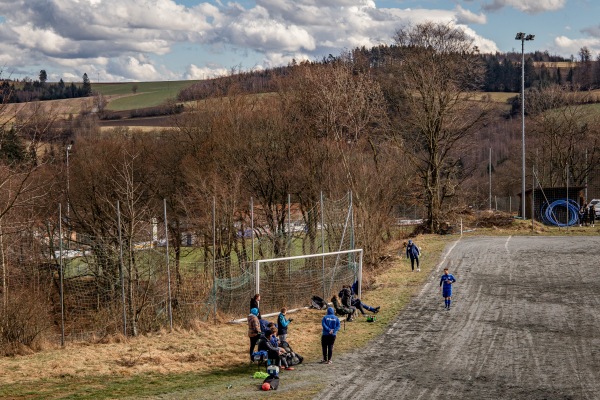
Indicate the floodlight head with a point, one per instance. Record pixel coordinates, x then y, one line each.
529 37
520 36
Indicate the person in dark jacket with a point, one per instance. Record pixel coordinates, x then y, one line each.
271 346
282 323
253 329
254 303
592 215
582 215
413 252
331 325
349 299
356 300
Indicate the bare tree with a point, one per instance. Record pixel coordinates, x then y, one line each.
436 115
565 133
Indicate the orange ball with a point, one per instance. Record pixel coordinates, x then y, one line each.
266 386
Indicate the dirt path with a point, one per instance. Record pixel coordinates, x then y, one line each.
524 325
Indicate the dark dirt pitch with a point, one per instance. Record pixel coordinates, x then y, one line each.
525 324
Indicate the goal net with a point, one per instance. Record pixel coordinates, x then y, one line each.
291 281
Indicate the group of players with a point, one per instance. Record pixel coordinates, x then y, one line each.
330 323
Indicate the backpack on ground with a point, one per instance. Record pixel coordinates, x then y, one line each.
273 382
318 303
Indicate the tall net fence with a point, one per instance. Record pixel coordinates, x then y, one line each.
90 286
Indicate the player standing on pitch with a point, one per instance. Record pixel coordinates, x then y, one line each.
446 284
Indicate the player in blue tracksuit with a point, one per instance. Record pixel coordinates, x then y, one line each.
413 252
331 324
446 282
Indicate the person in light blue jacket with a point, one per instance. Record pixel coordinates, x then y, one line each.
282 323
331 325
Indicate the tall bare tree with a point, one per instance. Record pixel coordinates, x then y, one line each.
435 109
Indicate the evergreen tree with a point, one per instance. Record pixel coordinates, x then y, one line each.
12 149
86 89
43 77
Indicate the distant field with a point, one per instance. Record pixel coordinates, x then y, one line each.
497 97
147 94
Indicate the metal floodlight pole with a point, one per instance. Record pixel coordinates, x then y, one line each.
69 147
523 37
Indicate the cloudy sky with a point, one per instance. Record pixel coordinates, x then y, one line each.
146 40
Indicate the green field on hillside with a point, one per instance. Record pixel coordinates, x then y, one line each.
147 94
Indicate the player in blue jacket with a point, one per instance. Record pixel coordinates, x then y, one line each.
331 324
446 282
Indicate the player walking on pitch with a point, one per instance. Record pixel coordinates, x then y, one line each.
413 252
446 284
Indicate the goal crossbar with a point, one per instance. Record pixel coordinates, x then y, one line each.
323 255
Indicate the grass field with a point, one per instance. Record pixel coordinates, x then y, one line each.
147 94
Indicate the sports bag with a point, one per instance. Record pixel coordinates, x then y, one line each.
273 381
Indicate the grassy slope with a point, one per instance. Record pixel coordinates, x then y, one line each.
148 94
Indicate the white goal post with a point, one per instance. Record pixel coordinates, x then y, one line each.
323 256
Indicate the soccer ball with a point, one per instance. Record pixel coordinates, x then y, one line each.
266 386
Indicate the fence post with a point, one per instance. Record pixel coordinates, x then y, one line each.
62 297
121 275
169 309
214 212
323 243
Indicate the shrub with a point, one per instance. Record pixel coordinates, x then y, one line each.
26 316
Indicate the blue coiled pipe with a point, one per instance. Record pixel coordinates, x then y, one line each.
549 216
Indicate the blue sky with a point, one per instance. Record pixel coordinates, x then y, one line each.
145 40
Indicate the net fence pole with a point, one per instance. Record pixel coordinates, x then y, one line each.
323 242
490 177
351 212
169 309
252 225
214 228
121 275
585 196
62 296
567 207
289 233
360 262
532 197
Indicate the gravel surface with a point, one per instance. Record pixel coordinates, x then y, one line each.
524 324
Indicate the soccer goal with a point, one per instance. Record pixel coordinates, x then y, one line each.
291 281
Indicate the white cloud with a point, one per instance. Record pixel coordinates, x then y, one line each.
111 36
195 72
565 45
527 6
468 17
134 68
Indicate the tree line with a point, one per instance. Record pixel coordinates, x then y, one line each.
32 90
502 72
